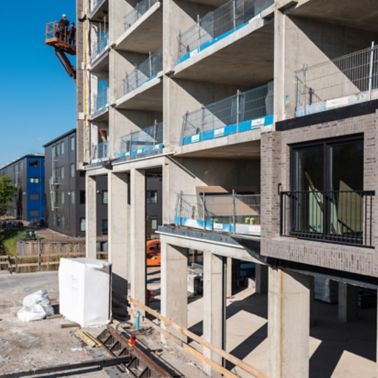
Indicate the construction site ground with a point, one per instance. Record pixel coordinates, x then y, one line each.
336 349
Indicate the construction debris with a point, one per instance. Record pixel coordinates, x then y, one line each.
35 306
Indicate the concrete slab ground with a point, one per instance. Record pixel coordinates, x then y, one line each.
24 346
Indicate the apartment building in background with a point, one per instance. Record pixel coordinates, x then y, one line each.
27 173
258 120
65 189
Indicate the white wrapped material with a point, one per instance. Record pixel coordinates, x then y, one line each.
84 291
35 306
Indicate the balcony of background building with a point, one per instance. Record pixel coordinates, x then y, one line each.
339 82
141 88
249 110
142 143
142 28
221 212
217 25
342 217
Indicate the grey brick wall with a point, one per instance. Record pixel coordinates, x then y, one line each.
275 171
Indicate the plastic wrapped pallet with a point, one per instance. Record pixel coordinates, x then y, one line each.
84 291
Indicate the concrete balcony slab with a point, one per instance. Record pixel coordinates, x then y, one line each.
145 35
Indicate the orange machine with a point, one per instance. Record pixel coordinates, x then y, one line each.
153 252
62 45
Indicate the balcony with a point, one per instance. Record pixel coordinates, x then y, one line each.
142 143
221 212
343 81
99 47
219 24
245 111
142 28
143 84
96 7
100 153
100 105
342 217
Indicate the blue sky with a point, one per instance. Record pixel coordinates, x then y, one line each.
37 97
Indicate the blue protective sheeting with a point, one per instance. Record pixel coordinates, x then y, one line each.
229 130
140 152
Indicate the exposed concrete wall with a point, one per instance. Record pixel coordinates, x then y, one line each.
118 9
91 216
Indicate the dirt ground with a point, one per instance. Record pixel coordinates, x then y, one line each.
24 346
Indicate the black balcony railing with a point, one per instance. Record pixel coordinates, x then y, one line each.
343 217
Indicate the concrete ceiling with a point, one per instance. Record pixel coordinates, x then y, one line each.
147 37
248 150
151 99
360 14
246 62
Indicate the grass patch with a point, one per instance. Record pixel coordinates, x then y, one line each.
10 242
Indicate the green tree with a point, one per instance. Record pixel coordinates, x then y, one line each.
7 191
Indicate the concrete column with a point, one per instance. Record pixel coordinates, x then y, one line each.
261 279
377 338
229 277
347 307
91 216
214 299
288 324
118 235
138 235
174 272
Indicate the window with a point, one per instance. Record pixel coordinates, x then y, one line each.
82 225
104 227
105 198
73 170
154 224
72 143
327 200
33 163
34 180
72 198
62 173
82 197
62 148
82 173
34 197
53 151
62 198
152 197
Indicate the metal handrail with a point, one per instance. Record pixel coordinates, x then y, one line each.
100 45
100 152
352 78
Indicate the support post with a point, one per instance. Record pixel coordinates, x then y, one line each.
118 236
214 297
138 235
233 211
174 271
347 306
288 324
261 279
91 216
371 65
229 277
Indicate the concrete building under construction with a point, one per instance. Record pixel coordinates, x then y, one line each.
256 120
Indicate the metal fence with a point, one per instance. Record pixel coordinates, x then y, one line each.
140 9
100 152
143 72
147 141
220 22
100 45
234 110
350 78
343 217
101 100
223 212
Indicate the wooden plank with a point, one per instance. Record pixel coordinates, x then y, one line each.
200 340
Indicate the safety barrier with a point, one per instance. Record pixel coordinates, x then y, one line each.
243 112
101 100
99 47
145 142
143 72
346 80
140 9
100 152
221 212
219 24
